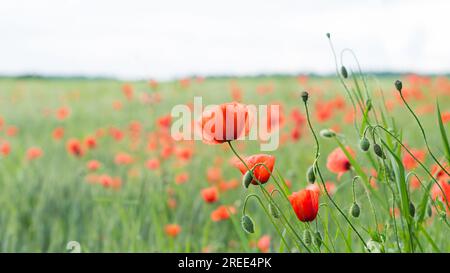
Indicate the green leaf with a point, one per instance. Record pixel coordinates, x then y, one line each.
443 134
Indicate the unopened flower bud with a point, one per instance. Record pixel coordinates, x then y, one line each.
274 211
369 104
247 224
307 237
344 72
328 35
412 209
318 239
364 144
305 96
327 133
355 210
398 85
378 151
429 210
247 179
310 175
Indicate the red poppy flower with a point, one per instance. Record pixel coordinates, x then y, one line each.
123 159
305 204
222 213
5 148
58 133
337 161
74 147
260 172
153 164
34 153
264 244
182 178
172 230
210 195
225 122
443 195
90 142
93 165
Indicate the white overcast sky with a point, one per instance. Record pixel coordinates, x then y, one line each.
166 38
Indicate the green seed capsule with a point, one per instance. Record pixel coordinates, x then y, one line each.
378 151
305 96
412 209
310 175
318 239
307 237
327 133
274 211
247 224
355 210
344 72
364 144
398 85
247 179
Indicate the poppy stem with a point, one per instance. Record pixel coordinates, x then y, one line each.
322 180
423 134
267 213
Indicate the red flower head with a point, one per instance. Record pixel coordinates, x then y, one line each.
172 230
182 178
93 165
305 204
222 213
34 153
337 161
225 122
260 172
264 244
90 142
58 133
443 195
5 148
210 195
153 164
123 159
74 147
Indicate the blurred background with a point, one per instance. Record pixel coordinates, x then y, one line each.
163 40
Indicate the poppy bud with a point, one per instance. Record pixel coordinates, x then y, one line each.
429 210
247 179
327 133
378 151
247 224
355 210
305 96
364 144
369 104
344 72
274 211
412 209
318 239
307 237
328 35
398 85
310 175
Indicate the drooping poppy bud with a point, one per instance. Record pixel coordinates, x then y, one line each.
310 175
307 237
364 144
247 224
274 211
247 179
355 210
412 209
305 96
327 133
344 72
378 151
398 85
318 239
328 35
429 210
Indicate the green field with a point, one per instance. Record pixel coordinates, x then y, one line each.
53 199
